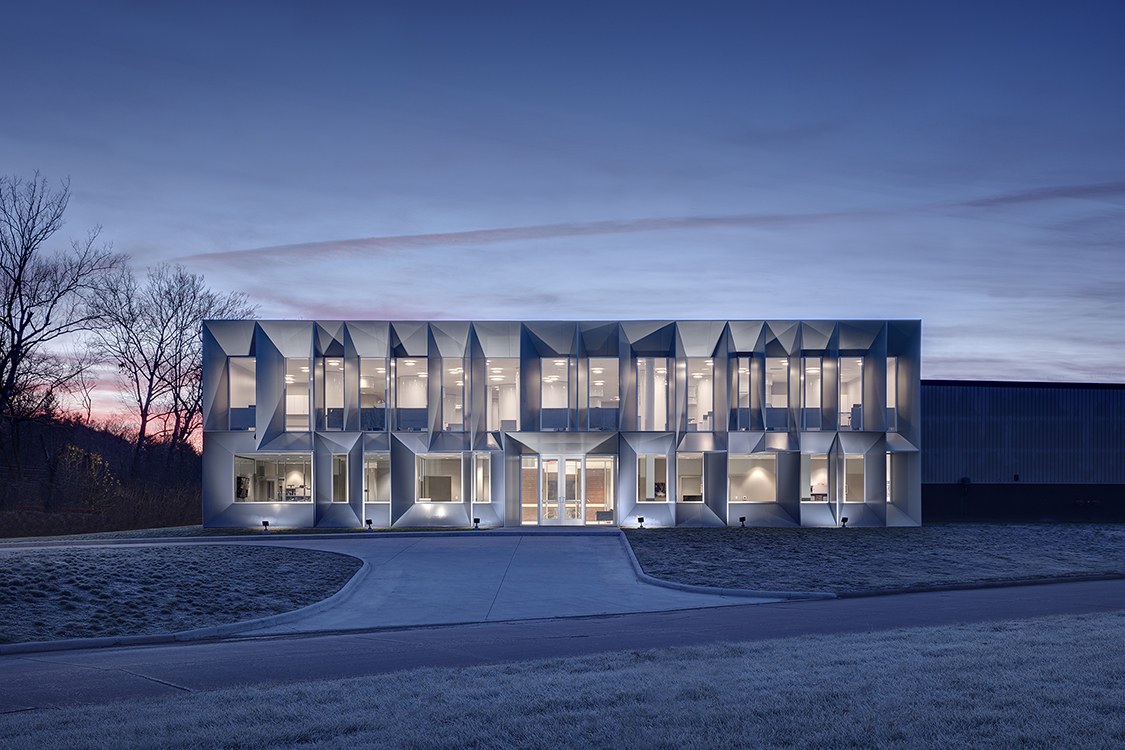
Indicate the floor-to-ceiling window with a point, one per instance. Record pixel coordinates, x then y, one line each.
689 477
331 375
340 478
742 399
503 393
377 477
753 478
777 393
604 396
439 478
297 393
600 489
273 478
853 478
700 394
652 477
482 478
373 394
529 490
411 393
452 395
243 395
814 477
892 394
811 380
555 393
652 394
851 393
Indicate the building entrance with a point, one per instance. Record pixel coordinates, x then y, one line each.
572 490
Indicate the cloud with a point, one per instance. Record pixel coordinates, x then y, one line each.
380 245
1049 193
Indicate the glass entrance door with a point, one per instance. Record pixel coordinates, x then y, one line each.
560 490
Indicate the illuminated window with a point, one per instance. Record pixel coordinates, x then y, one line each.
652 394
652 477
689 477
242 392
503 377
753 478
275 478
439 478
411 393
373 394
555 393
377 478
700 396
297 394
603 391
453 395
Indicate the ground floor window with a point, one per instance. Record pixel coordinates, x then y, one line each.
340 479
439 479
529 490
599 489
814 477
753 478
377 478
482 478
273 478
652 477
689 477
888 476
853 479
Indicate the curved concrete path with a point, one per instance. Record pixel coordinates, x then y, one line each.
487 577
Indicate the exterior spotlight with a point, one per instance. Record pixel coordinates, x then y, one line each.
640 522
844 522
368 522
265 527
742 521
476 524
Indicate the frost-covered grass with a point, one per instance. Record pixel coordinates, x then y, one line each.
100 591
863 559
1050 683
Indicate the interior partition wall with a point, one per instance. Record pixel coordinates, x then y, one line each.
424 424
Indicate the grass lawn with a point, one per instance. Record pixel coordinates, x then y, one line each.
87 592
864 559
1049 683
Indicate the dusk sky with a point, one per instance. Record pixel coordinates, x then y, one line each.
962 163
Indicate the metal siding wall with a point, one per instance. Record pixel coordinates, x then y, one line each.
1046 434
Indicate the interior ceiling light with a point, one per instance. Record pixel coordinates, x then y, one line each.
423 374
599 382
380 369
709 363
560 362
597 370
498 369
697 375
460 382
409 362
304 369
661 371
334 362
496 378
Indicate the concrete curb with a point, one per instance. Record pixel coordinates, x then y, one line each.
196 634
1048 581
644 577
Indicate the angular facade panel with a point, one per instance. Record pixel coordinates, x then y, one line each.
693 423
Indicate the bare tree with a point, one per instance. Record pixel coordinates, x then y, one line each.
44 298
153 337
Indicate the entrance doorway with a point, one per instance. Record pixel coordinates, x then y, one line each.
568 490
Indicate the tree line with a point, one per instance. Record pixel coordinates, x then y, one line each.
65 311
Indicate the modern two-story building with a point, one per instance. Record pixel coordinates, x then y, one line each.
430 424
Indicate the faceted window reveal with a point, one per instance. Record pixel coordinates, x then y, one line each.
297 394
273 478
777 393
439 478
700 397
242 392
452 395
753 478
411 396
652 394
373 394
604 397
689 477
851 393
377 478
555 393
503 393
652 477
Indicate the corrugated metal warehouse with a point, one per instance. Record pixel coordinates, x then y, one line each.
1026 451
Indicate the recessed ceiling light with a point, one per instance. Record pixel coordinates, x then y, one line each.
498 369
423 374
409 362
599 382
380 369
597 370
697 375
496 378
560 362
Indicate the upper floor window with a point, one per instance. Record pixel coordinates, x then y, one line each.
373 394
851 393
555 393
777 393
331 374
700 394
604 396
892 393
503 393
811 380
652 394
453 395
742 402
243 389
297 393
411 393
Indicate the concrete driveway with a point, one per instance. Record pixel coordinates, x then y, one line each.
430 580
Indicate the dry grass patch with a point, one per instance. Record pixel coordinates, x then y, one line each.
864 559
133 590
1049 683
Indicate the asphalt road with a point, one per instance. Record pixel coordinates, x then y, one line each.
98 676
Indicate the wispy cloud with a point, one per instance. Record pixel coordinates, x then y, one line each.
1049 193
